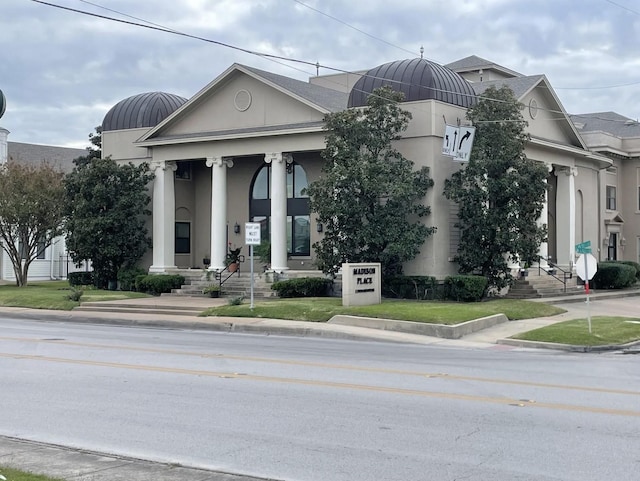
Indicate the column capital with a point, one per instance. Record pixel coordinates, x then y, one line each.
278 157
219 162
568 171
163 165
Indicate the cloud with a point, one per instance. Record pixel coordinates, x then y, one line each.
62 71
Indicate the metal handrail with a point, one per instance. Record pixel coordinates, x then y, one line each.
222 278
566 275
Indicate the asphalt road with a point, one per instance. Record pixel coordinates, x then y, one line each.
321 410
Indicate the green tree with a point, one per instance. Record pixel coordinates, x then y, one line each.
369 197
500 192
31 212
106 208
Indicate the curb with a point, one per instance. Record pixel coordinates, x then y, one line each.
571 348
218 325
421 328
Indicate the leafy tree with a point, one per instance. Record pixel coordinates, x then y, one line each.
106 205
500 192
31 212
368 198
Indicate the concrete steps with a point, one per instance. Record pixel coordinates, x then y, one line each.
542 285
142 308
235 286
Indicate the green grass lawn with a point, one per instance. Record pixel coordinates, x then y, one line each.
323 309
53 295
17 475
604 331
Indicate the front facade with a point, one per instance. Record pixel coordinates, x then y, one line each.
245 146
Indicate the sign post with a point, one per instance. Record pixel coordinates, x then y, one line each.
252 238
586 267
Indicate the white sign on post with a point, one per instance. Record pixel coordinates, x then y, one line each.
252 238
586 266
252 233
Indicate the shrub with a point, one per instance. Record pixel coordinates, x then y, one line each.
614 275
75 294
127 277
635 265
303 287
159 283
235 301
80 278
410 287
465 288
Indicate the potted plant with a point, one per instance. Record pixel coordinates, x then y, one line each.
233 258
212 289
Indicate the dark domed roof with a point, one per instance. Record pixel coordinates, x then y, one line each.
3 103
418 79
142 110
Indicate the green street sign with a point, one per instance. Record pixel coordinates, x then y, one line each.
583 248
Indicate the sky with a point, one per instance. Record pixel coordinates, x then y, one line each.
61 71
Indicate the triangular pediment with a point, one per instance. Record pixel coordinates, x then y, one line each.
246 99
614 218
542 109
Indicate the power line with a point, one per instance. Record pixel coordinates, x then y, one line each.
271 57
353 27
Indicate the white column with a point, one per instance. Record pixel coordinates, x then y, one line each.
218 211
543 220
566 215
279 255
164 217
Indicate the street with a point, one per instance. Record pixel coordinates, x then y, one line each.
321 410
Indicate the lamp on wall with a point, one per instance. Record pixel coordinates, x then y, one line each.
319 227
236 228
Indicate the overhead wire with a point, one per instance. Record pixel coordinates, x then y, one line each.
272 57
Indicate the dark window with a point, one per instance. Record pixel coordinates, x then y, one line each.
183 172
183 238
41 250
611 197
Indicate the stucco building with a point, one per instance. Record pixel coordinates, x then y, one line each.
244 147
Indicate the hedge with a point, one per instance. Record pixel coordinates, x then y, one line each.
635 265
127 277
159 283
614 275
80 278
303 287
465 288
410 287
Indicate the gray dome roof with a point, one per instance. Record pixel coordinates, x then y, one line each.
142 110
418 79
3 103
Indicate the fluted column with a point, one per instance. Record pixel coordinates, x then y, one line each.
164 217
218 211
279 255
566 215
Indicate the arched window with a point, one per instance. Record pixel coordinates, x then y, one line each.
298 222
